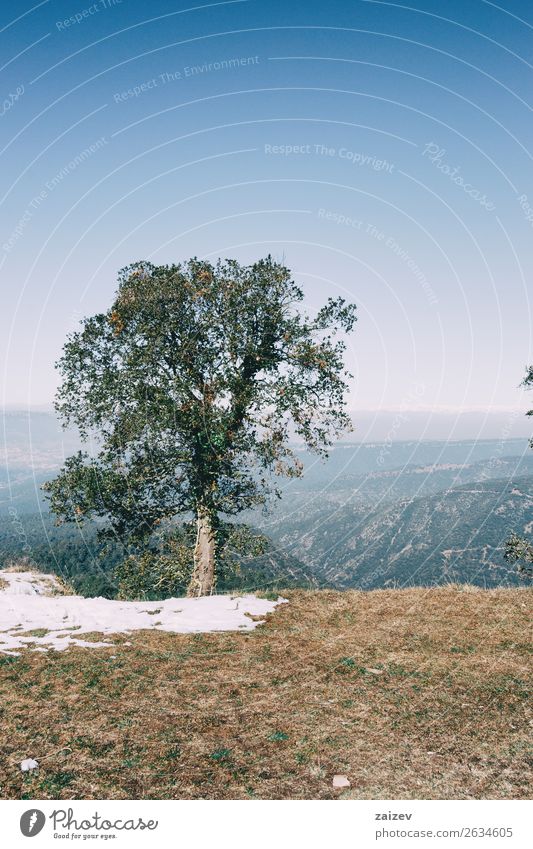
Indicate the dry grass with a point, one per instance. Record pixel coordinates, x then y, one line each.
410 693
18 566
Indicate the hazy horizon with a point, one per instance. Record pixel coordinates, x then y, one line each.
403 425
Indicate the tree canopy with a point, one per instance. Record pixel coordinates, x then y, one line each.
518 549
192 386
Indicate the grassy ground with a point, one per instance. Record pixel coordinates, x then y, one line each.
410 693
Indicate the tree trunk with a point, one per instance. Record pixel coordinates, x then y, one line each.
203 575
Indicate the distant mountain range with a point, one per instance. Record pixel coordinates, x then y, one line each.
382 425
375 514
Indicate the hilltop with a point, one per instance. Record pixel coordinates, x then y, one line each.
409 693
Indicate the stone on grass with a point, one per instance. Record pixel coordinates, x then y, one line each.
28 764
340 781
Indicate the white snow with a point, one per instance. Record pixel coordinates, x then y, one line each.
26 605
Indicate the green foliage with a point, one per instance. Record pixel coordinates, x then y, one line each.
73 554
152 575
528 383
220 755
164 571
160 572
191 385
519 550
92 568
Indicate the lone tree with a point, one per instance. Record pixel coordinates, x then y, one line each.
518 549
193 383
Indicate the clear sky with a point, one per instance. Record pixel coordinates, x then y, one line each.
382 150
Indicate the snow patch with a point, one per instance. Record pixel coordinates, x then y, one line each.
26 604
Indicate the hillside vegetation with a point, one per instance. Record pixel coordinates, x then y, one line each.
374 515
77 556
458 535
410 693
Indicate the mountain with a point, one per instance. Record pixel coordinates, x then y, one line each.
374 514
455 536
34 439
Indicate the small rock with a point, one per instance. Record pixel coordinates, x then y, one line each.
340 781
29 764
374 671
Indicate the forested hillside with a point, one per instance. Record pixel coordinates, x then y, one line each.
372 515
458 535
76 555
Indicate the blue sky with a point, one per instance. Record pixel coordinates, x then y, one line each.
383 151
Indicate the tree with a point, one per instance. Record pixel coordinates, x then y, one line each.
165 570
520 550
193 384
